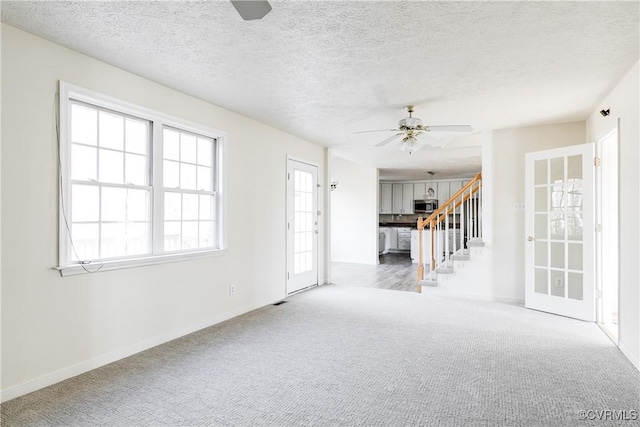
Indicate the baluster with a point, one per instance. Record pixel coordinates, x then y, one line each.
446 238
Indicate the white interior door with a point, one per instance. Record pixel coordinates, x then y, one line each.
302 225
560 230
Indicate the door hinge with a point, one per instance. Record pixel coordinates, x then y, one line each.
288 226
598 228
596 161
288 275
598 294
288 176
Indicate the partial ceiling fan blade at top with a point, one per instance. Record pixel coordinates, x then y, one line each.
251 10
379 130
449 128
388 140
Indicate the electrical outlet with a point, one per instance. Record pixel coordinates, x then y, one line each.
232 289
558 282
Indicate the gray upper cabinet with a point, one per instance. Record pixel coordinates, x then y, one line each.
443 193
402 198
385 198
407 198
419 191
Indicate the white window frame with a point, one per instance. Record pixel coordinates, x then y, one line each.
158 121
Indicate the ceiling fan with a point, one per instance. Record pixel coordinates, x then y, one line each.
251 10
410 128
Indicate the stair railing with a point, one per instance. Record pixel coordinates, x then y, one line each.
459 217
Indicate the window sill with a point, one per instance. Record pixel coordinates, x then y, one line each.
95 267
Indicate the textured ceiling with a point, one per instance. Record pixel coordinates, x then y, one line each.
325 69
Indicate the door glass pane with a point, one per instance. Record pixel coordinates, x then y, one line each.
540 285
574 167
303 221
557 226
574 256
574 226
557 255
558 201
541 199
557 169
574 196
540 172
541 254
557 283
540 226
575 286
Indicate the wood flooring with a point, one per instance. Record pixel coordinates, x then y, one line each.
395 272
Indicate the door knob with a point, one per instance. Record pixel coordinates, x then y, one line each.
529 239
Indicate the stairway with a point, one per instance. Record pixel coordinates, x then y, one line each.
453 231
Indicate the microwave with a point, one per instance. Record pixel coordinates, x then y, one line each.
425 206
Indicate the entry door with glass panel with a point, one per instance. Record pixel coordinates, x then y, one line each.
559 225
302 225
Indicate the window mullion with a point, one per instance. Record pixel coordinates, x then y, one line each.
157 221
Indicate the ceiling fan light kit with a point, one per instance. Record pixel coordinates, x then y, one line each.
412 127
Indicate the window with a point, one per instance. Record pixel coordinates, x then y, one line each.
137 187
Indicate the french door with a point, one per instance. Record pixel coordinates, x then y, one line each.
302 225
560 230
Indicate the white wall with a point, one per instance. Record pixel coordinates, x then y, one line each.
623 103
354 212
506 181
53 327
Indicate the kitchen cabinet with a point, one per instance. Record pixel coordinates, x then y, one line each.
443 193
392 238
424 190
385 198
402 198
404 239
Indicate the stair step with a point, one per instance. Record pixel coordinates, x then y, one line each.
428 282
476 243
444 270
460 257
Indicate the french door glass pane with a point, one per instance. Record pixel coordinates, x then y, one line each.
541 281
303 221
557 283
540 172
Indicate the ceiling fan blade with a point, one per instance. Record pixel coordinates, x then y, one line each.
388 140
431 140
251 10
379 130
449 128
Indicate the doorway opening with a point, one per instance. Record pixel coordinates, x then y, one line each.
608 210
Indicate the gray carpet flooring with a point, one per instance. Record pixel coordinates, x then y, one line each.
337 356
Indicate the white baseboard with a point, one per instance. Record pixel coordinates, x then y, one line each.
627 353
86 366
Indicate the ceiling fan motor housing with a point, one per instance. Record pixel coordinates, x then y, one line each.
409 123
